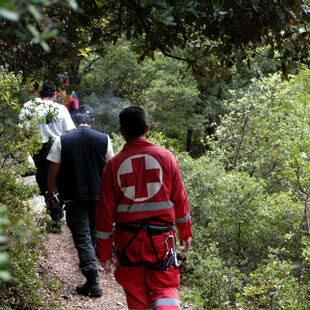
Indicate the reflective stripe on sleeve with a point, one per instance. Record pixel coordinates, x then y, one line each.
143 207
103 235
183 219
165 302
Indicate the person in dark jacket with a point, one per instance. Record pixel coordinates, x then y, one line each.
77 161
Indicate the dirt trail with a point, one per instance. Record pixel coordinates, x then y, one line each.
62 262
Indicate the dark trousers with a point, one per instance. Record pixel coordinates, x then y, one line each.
43 166
81 220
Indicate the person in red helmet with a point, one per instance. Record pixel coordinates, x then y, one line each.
143 193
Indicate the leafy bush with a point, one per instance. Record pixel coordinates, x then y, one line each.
264 124
21 237
274 286
24 243
114 73
236 212
172 101
209 283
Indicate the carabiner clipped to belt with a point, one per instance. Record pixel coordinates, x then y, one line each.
173 251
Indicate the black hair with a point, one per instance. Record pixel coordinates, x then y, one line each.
84 115
133 121
48 90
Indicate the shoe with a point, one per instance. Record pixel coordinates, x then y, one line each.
92 286
86 289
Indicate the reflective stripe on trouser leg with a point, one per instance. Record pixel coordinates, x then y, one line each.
166 299
166 303
163 303
163 288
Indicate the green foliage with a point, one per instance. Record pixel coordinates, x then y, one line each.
29 21
31 29
24 284
118 142
219 34
21 238
235 211
23 244
4 257
266 134
298 163
113 73
16 142
306 260
171 100
161 140
274 286
36 35
261 128
212 285
110 84
251 193
176 104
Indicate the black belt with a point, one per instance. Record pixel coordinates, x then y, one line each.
152 229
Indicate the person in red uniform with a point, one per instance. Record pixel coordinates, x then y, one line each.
143 193
70 102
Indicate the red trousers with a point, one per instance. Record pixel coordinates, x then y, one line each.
149 289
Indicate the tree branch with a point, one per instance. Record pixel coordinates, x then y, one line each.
241 140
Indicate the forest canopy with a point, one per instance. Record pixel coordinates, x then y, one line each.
212 36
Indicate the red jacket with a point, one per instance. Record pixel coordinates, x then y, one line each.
71 102
142 182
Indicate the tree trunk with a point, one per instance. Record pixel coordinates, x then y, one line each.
189 147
